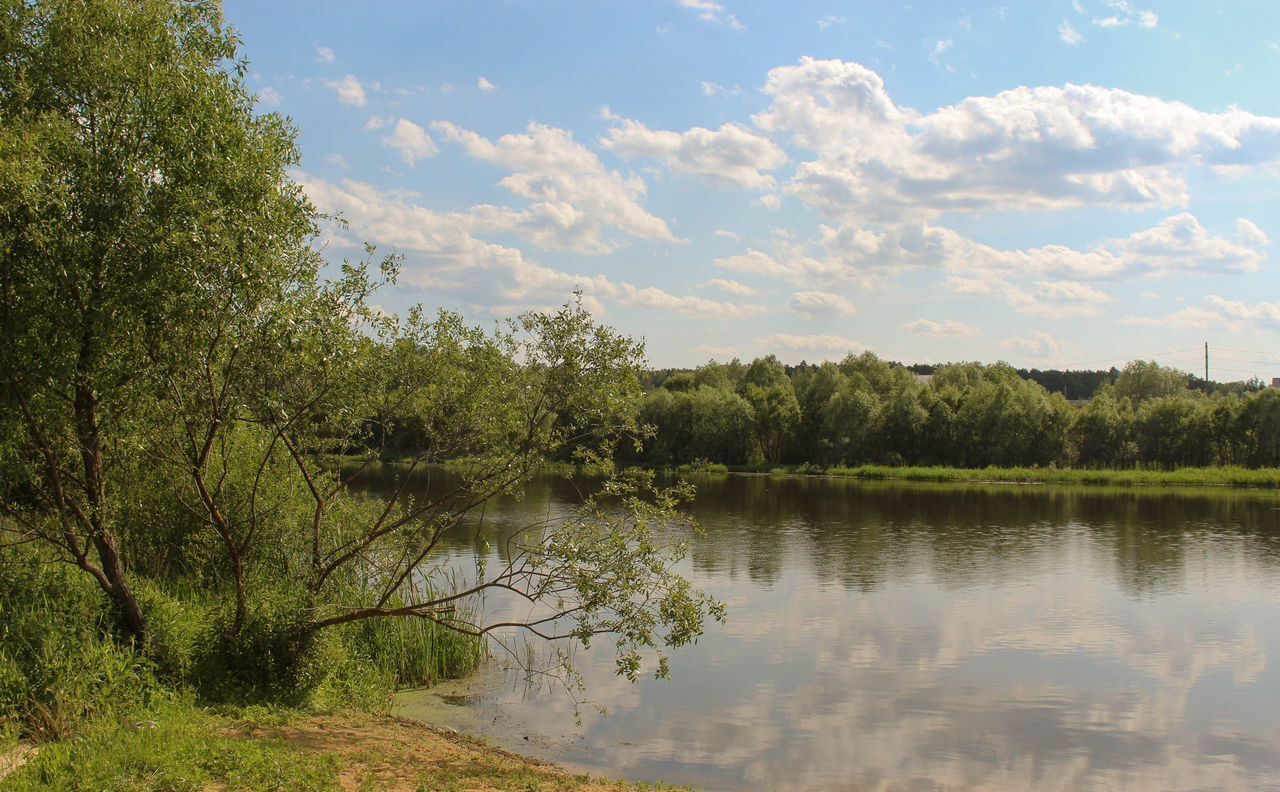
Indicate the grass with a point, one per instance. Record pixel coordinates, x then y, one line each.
1183 477
173 747
178 747
1223 476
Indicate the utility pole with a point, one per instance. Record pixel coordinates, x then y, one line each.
1206 363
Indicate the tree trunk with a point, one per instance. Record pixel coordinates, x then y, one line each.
103 541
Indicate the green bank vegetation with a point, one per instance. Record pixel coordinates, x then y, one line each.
1180 477
864 411
178 362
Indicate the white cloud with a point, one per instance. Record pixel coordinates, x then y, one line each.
445 253
947 328
829 21
325 55
716 89
769 201
378 122
1056 299
1026 149
1126 14
730 287
269 97
1046 279
1038 344
349 90
727 234
1077 7
1068 33
337 160
938 52
1267 313
1191 318
689 305
787 342
710 11
812 304
484 85
411 142
1217 313
754 262
573 197
728 155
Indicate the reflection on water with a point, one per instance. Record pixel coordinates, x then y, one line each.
888 636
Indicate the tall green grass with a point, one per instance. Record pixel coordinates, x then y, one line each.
172 746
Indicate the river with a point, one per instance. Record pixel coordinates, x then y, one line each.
916 636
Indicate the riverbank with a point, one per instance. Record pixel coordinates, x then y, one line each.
186 748
1232 477
1184 477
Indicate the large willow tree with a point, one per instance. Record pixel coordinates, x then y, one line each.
169 338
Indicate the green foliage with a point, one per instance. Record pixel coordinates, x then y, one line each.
864 411
172 747
173 384
1142 380
61 660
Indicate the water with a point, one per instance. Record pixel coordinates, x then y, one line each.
889 636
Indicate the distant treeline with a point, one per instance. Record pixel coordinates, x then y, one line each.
864 410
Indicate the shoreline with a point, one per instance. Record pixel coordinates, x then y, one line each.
259 750
1212 477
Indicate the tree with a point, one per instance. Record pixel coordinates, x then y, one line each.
1146 379
773 405
144 201
174 351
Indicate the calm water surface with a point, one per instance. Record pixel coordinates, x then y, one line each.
890 636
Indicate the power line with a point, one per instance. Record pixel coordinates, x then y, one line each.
1147 356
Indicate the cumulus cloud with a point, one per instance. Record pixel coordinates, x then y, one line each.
787 342
788 261
1176 243
411 142
812 304
337 160
484 85
947 328
1038 344
573 197
710 11
1217 313
446 252
350 91
1056 298
1127 14
729 155
730 287
1025 149
325 55
688 305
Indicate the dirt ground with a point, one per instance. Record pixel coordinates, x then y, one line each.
401 755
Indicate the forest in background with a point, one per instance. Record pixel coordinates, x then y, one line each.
864 410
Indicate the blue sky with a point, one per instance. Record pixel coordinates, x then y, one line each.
1047 183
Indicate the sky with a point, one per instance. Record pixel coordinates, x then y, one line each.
1071 183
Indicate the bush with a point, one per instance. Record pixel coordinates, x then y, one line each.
62 661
